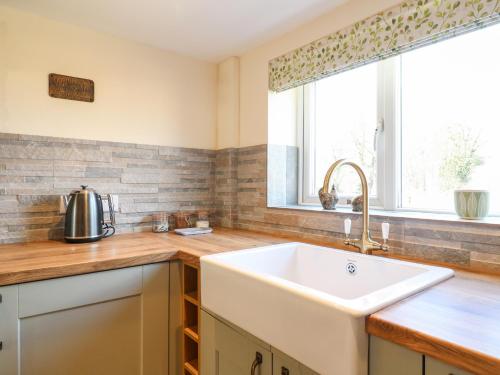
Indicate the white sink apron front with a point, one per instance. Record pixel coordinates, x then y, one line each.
309 301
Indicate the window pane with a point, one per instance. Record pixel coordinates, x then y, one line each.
344 120
451 120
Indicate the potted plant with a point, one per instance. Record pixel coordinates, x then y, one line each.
461 158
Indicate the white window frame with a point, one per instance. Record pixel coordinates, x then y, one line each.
389 143
388 114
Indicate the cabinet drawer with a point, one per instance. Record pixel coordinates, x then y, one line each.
285 365
435 367
68 292
235 353
387 358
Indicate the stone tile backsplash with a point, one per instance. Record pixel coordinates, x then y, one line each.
231 184
35 170
466 244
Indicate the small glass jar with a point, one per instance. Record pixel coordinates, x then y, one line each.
160 222
202 221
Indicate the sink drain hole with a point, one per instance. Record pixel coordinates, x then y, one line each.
351 268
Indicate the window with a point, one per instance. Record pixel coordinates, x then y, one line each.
340 113
420 124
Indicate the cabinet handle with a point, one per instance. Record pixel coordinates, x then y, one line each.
256 362
285 371
1 345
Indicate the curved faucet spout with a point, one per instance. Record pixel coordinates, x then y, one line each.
365 244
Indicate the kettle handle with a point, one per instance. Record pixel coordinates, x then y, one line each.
109 226
109 230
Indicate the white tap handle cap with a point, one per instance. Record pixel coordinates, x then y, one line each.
347 226
385 230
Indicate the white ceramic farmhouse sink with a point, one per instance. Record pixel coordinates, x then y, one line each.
309 301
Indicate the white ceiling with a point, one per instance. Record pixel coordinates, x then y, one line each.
206 29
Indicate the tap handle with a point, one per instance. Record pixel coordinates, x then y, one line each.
347 227
385 231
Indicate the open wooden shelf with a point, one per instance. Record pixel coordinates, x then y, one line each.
190 279
192 332
192 297
191 367
191 318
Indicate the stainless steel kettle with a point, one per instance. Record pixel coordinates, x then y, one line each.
84 220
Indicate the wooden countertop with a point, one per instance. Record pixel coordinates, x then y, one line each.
457 321
33 261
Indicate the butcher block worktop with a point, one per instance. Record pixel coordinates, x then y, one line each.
457 321
33 261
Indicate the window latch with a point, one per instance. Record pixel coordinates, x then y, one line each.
379 129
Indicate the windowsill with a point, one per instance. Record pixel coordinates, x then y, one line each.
417 215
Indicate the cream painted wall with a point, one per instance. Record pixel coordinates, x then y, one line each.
228 103
142 94
254 63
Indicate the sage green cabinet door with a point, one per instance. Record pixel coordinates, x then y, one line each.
208 352
285 365
227 351
8 329
435 367
175 330
104 323
387 358
155 319
103 338
236 353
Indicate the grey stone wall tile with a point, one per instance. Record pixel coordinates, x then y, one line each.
137 178
130 153
480 247
26 173
8 205
146 207
8 136
103 172
18 151
79 154
484 261
147 147
28 235
147 165
40 138
436 253
29 220
118 145
20 165
72 183
132 218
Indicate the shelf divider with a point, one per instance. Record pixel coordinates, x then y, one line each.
191 318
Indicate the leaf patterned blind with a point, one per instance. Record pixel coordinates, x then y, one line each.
406 26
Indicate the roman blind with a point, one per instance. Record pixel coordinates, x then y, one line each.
406 26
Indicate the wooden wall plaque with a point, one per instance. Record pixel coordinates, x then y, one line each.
72 88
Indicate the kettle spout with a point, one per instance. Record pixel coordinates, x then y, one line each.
63 203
